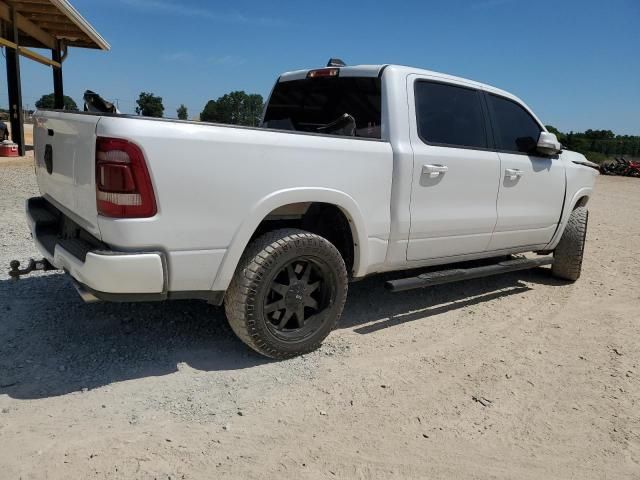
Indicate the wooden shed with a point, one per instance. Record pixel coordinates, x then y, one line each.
53 25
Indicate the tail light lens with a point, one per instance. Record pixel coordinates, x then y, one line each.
123 184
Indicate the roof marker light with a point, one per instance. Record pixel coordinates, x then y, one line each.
324 72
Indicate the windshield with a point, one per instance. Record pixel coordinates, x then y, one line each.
347 106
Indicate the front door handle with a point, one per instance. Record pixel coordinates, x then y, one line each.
434 170
513 173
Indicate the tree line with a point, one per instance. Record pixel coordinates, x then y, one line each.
235 108
241 108
597 145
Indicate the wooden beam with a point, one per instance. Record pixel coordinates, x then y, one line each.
25 52
23 3
36 57
31 2
27 41
28 27
43 9
38 18
54 27
7 43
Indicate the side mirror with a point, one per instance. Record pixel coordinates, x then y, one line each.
548 144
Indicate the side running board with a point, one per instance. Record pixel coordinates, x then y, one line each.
457 274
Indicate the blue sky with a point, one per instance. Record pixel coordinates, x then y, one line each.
576 63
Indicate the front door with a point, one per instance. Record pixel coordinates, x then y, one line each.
532 186
455 173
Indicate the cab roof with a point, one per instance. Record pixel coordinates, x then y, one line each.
377 70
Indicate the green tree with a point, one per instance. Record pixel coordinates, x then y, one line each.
597 145
553 130
48 101
253 106
182 112
210 112
149 105
236 108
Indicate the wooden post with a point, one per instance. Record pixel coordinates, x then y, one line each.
58 90
13 83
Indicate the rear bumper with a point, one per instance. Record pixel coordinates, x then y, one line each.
91 263
114 272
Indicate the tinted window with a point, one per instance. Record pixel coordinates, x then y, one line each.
320 105
515 129
450 115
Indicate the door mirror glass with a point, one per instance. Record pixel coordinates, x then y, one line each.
548 144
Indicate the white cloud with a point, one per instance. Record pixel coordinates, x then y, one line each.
178 57
177 8
489 4
228 60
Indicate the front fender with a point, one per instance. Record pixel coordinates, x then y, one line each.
566 213
279 199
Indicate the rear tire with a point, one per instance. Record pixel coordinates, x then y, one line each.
287 294
568 255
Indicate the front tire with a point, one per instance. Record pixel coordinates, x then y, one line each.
287 294
568 255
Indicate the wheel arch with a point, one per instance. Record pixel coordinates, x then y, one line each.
579 199
581 202
277 200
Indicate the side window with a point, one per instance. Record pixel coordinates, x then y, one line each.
516 130
450 115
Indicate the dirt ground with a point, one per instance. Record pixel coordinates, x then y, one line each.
519 376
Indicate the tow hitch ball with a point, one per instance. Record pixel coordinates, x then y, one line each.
42 265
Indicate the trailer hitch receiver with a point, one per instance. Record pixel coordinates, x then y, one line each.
34 265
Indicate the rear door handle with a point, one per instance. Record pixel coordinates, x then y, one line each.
513 173
434 170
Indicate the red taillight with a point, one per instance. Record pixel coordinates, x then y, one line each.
123 184
115 178
324 72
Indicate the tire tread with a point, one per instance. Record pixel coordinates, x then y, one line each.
568 255
253 266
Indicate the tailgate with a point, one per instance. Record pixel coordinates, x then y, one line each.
64 151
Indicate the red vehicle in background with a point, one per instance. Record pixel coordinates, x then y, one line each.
621 166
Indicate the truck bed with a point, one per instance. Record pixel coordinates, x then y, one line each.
212 183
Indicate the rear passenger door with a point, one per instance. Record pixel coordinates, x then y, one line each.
532 186
455 171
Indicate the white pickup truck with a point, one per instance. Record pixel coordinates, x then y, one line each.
354 171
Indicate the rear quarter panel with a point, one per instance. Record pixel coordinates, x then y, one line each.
214 184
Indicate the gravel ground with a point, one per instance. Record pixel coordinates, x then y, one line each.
519 376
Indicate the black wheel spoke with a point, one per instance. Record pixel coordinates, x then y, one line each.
288 313
272 307
279 288
292 274
311 302
297 295
306 274
300 315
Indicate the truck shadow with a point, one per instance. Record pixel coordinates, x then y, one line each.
51 343
392 309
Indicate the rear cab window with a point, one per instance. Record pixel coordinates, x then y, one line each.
344 106
450 115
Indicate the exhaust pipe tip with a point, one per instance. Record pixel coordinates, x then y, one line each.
85 294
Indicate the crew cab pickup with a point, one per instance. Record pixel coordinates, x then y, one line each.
354 170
